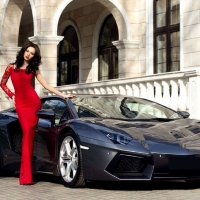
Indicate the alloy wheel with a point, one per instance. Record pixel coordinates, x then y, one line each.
68 159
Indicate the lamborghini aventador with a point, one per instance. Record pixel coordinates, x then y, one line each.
106 138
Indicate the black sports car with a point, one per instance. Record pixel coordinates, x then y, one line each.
107 138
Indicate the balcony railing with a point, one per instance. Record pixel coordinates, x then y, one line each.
177 90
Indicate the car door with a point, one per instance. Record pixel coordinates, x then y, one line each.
46 134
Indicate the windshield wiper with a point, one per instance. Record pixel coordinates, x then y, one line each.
123 119
161 119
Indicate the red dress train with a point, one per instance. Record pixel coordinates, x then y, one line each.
27 103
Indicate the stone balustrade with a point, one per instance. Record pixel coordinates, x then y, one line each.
177 90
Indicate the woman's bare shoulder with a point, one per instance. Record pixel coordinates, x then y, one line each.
37 72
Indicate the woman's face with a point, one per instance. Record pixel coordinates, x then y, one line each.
29 54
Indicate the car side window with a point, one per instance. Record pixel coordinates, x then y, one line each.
65 116
59 107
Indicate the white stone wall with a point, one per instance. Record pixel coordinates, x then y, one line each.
191 34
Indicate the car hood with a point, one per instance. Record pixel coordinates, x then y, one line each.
184 133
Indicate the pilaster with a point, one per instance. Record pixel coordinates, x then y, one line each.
48 48
128 61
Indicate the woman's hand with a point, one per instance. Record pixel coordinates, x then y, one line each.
69 96
13 99
50 88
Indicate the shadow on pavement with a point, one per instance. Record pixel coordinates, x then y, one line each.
134 186
152 185
37 177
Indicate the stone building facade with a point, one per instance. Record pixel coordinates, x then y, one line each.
153 37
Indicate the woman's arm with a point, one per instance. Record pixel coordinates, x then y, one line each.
50 88
4 81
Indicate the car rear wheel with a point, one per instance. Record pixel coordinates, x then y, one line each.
70 161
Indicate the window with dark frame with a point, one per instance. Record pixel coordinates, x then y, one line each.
68 65
107 52
166 36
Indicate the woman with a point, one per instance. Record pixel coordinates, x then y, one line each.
26 101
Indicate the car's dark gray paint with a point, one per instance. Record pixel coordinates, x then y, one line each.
153 148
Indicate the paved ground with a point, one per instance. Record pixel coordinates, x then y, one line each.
51 188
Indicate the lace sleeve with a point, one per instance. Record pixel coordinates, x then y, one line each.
4 80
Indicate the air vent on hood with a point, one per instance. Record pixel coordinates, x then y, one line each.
177 134
193 128
136 125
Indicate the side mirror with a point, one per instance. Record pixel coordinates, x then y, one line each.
47 114
184 114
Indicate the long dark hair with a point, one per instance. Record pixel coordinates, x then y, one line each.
34 63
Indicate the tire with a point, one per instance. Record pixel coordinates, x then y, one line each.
70 161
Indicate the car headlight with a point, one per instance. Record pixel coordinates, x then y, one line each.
117 138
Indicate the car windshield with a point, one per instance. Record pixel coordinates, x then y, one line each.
122 108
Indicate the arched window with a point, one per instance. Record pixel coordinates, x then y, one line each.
68 65
107 52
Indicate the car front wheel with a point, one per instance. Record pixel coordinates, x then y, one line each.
70 161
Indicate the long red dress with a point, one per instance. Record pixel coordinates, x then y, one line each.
27 103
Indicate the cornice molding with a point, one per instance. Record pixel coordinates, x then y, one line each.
9 50
126 44
45 39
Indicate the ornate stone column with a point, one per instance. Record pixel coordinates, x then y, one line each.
48 48
7 55
128 61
